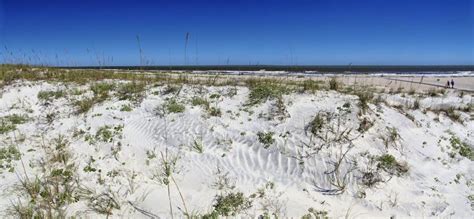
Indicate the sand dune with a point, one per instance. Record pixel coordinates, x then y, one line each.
324 169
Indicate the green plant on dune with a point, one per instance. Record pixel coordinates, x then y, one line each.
263 91
231 204
101 91
214 111
84 105
132 91
199 101
50 95
389 164
364 98
315 214
126 108
49 194
462 148
173 106
266 138
8 123
8 155
334 84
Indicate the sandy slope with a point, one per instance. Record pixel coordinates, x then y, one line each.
230 145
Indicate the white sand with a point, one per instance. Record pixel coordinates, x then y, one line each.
230 143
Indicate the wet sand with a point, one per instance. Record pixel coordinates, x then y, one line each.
415 82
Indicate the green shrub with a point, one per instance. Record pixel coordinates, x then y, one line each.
266 139
316 214
48 194
7 156
215 96
317 123
126 108
83 106
6 127
8 123
101 91
199 101
310 85
389 164
50 95
16 119
132 91
364 98
172 106
333 84
262 92
231 204
462 148
213 111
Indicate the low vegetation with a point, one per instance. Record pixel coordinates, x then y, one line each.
389 164
8 155
50 95
8 123
266 138
173 106
199 101
461 148
229 205
263 91
334 84
49 194
132 91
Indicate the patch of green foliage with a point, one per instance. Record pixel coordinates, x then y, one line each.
16 119
132 91
48 194
172 106
7 156
107 133
101 91
214 111
462 148
84 105
230 204
214 96
316 214
50 95
389 164
199 101
364 98
316 125
334 84
266 138
261 92
8 123
6 127
126 108
310 85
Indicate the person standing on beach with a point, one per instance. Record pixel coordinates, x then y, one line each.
447 84
452 83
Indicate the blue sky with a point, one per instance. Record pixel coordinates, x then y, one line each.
303 32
